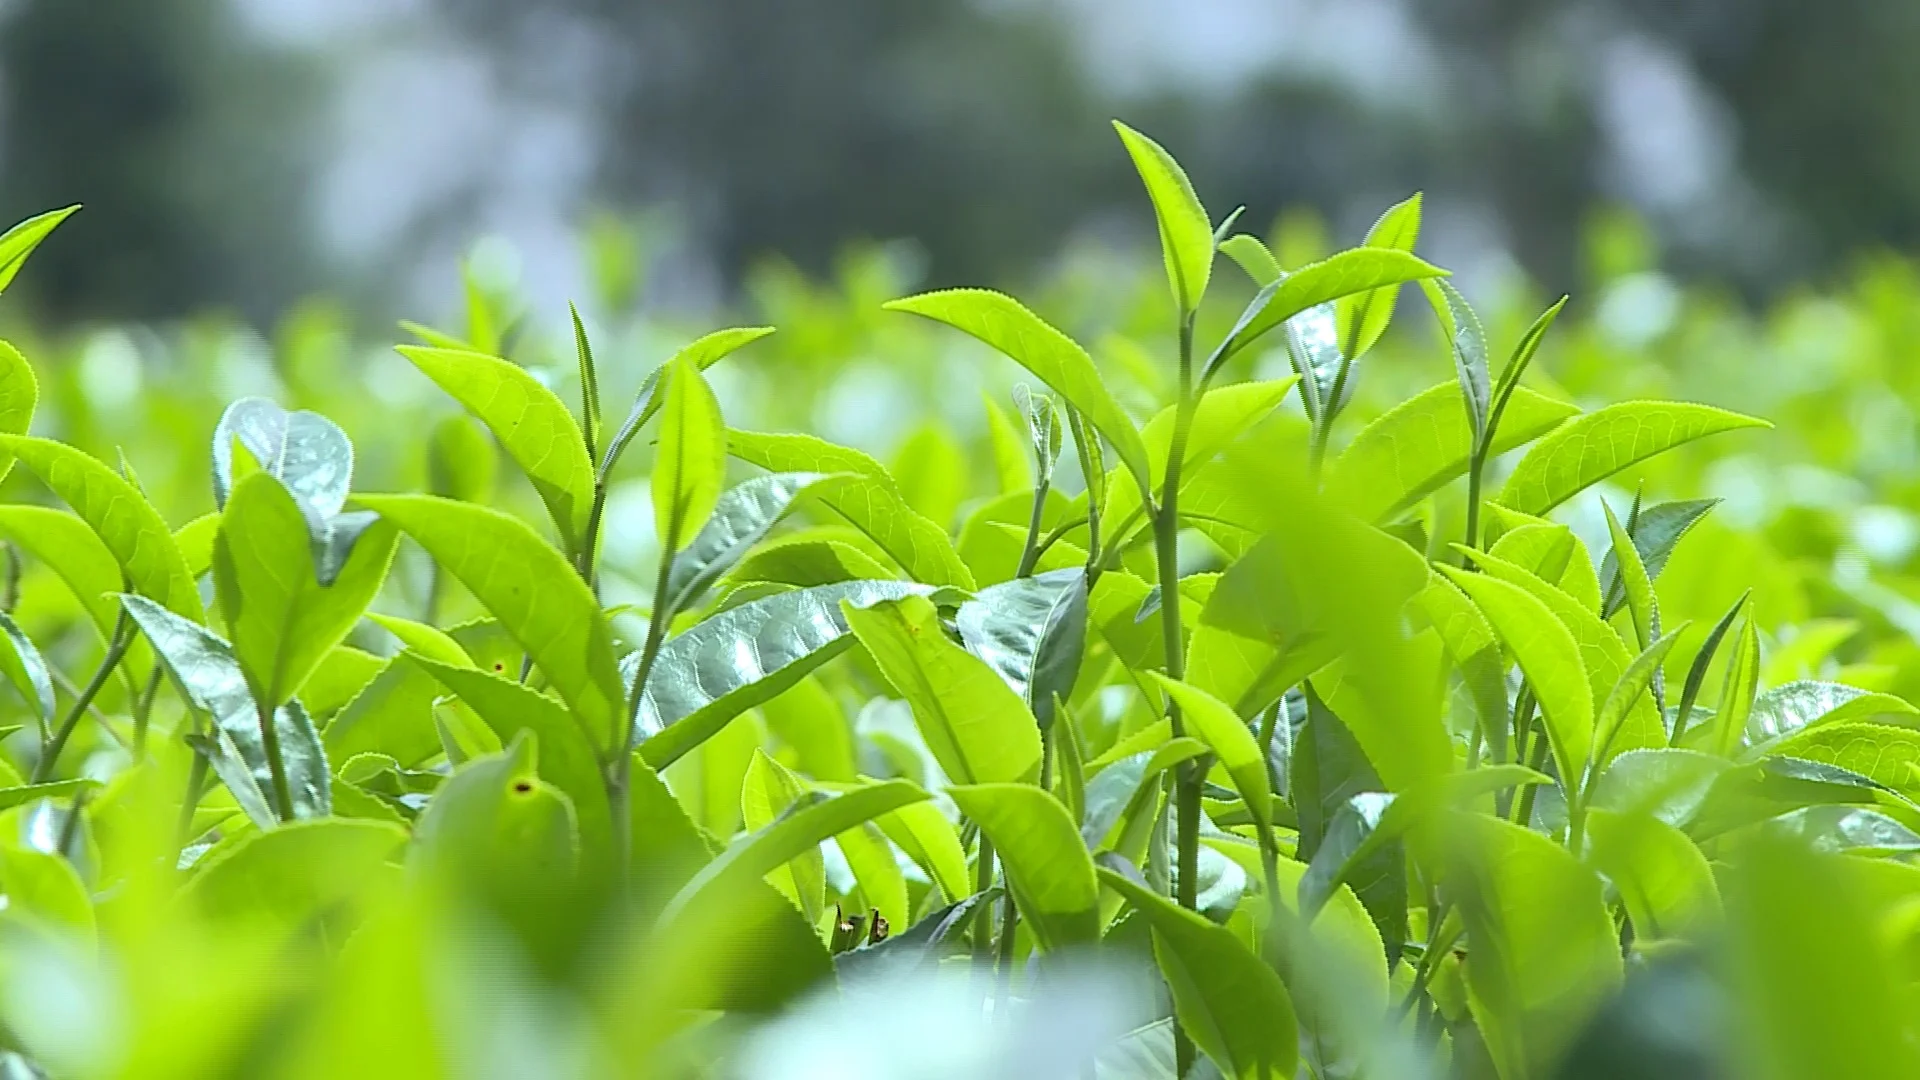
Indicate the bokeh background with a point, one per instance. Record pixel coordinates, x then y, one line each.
244 154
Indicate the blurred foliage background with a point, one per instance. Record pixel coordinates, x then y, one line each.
247 153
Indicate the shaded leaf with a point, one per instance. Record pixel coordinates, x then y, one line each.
729 663
741 517
1225 997
1032 631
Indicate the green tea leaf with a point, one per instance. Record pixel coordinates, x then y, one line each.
289 875
303 450
531 423
1663 879
1549 656
1032 631
1626 694
1227 735
1045 429
26 669
1053 357
1186 233
690 466
1602 655
1656 530
1814 989
1354 271
757 854
865 496
504 842
566 758
1363 317
1600 443
741 657
1253 256
119 515
1048 870
1469 343
976 726
283 617
1786 710
1011 462
1543 952
805 562
18 242
19 393
1882 753
210 677
702 354
1225 997
766 793
461 460
1410 451
531 590
740 519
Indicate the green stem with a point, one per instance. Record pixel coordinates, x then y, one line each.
1536 760
590 542
1476 470
117 645
620 769
1030 553
982 881
1166 537
1429 957
190 801
143 711
276 766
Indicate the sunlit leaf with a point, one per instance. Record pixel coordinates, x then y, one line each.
1048 870
1186 233
1598 444
119 515
18 242
532 424
976 726
690 465
530 589
1001 322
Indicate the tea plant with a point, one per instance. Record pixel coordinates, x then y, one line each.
1320 722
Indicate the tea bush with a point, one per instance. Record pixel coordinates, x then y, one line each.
1278 696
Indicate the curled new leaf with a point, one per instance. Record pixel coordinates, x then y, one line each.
691 464
702 354
1186 233
303 450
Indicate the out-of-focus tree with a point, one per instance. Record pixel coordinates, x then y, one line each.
188 142
798 127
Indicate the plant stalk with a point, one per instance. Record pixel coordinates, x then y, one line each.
276 766
117 645
1166 537
620 769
